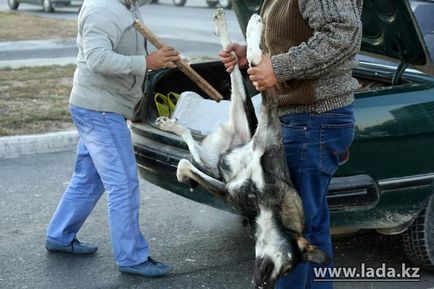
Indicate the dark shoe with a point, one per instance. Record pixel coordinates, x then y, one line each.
149 268
74 248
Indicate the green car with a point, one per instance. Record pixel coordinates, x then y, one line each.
388 182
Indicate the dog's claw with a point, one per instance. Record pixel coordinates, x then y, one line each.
160 120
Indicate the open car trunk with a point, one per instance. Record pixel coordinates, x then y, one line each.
166 81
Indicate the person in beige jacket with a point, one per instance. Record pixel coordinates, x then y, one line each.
111 66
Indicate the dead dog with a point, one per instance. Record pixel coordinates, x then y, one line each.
248 169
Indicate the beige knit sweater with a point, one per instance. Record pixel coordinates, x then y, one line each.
312 44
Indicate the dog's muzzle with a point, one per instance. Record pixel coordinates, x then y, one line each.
264 270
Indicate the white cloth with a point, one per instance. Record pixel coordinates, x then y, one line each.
204 115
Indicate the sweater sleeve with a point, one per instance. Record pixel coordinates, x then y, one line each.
337 32
101 32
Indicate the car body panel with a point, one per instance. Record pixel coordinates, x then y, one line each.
389 122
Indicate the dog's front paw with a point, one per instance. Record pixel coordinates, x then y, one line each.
168 124
160 121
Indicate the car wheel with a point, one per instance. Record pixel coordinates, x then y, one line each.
47 6
226 4
179 2
212 3
13 4
418 240
154 1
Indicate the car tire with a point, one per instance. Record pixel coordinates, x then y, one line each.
226 4
47 6
179 2
212 3
154 1
13 4
418 240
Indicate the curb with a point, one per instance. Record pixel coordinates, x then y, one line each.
37 44
16 146
37 62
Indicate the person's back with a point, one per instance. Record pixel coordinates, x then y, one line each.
110 63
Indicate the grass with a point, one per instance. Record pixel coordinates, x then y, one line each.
16 27
35 99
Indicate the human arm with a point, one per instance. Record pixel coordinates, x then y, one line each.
228 58
163 57
336 38
262 75
101 32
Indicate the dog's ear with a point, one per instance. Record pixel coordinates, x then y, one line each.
311 253
315 255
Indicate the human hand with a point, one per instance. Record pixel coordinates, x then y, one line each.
163 57
262 75
234 53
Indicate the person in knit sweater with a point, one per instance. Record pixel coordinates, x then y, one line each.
309 52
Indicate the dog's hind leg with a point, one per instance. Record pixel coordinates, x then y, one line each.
253 39
268 140
187 171
237 113
268 136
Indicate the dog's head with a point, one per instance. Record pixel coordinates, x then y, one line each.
279 249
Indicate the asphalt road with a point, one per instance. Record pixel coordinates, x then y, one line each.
202 243
209 248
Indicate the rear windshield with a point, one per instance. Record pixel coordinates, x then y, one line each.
424 12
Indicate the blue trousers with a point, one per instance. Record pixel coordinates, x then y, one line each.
105 161
314 145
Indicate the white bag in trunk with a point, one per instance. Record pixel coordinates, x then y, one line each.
204 115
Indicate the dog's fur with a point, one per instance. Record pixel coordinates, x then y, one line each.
250 171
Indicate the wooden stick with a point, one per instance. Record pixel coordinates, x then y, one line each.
184 67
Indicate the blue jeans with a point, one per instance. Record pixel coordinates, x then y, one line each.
315 144
105 161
